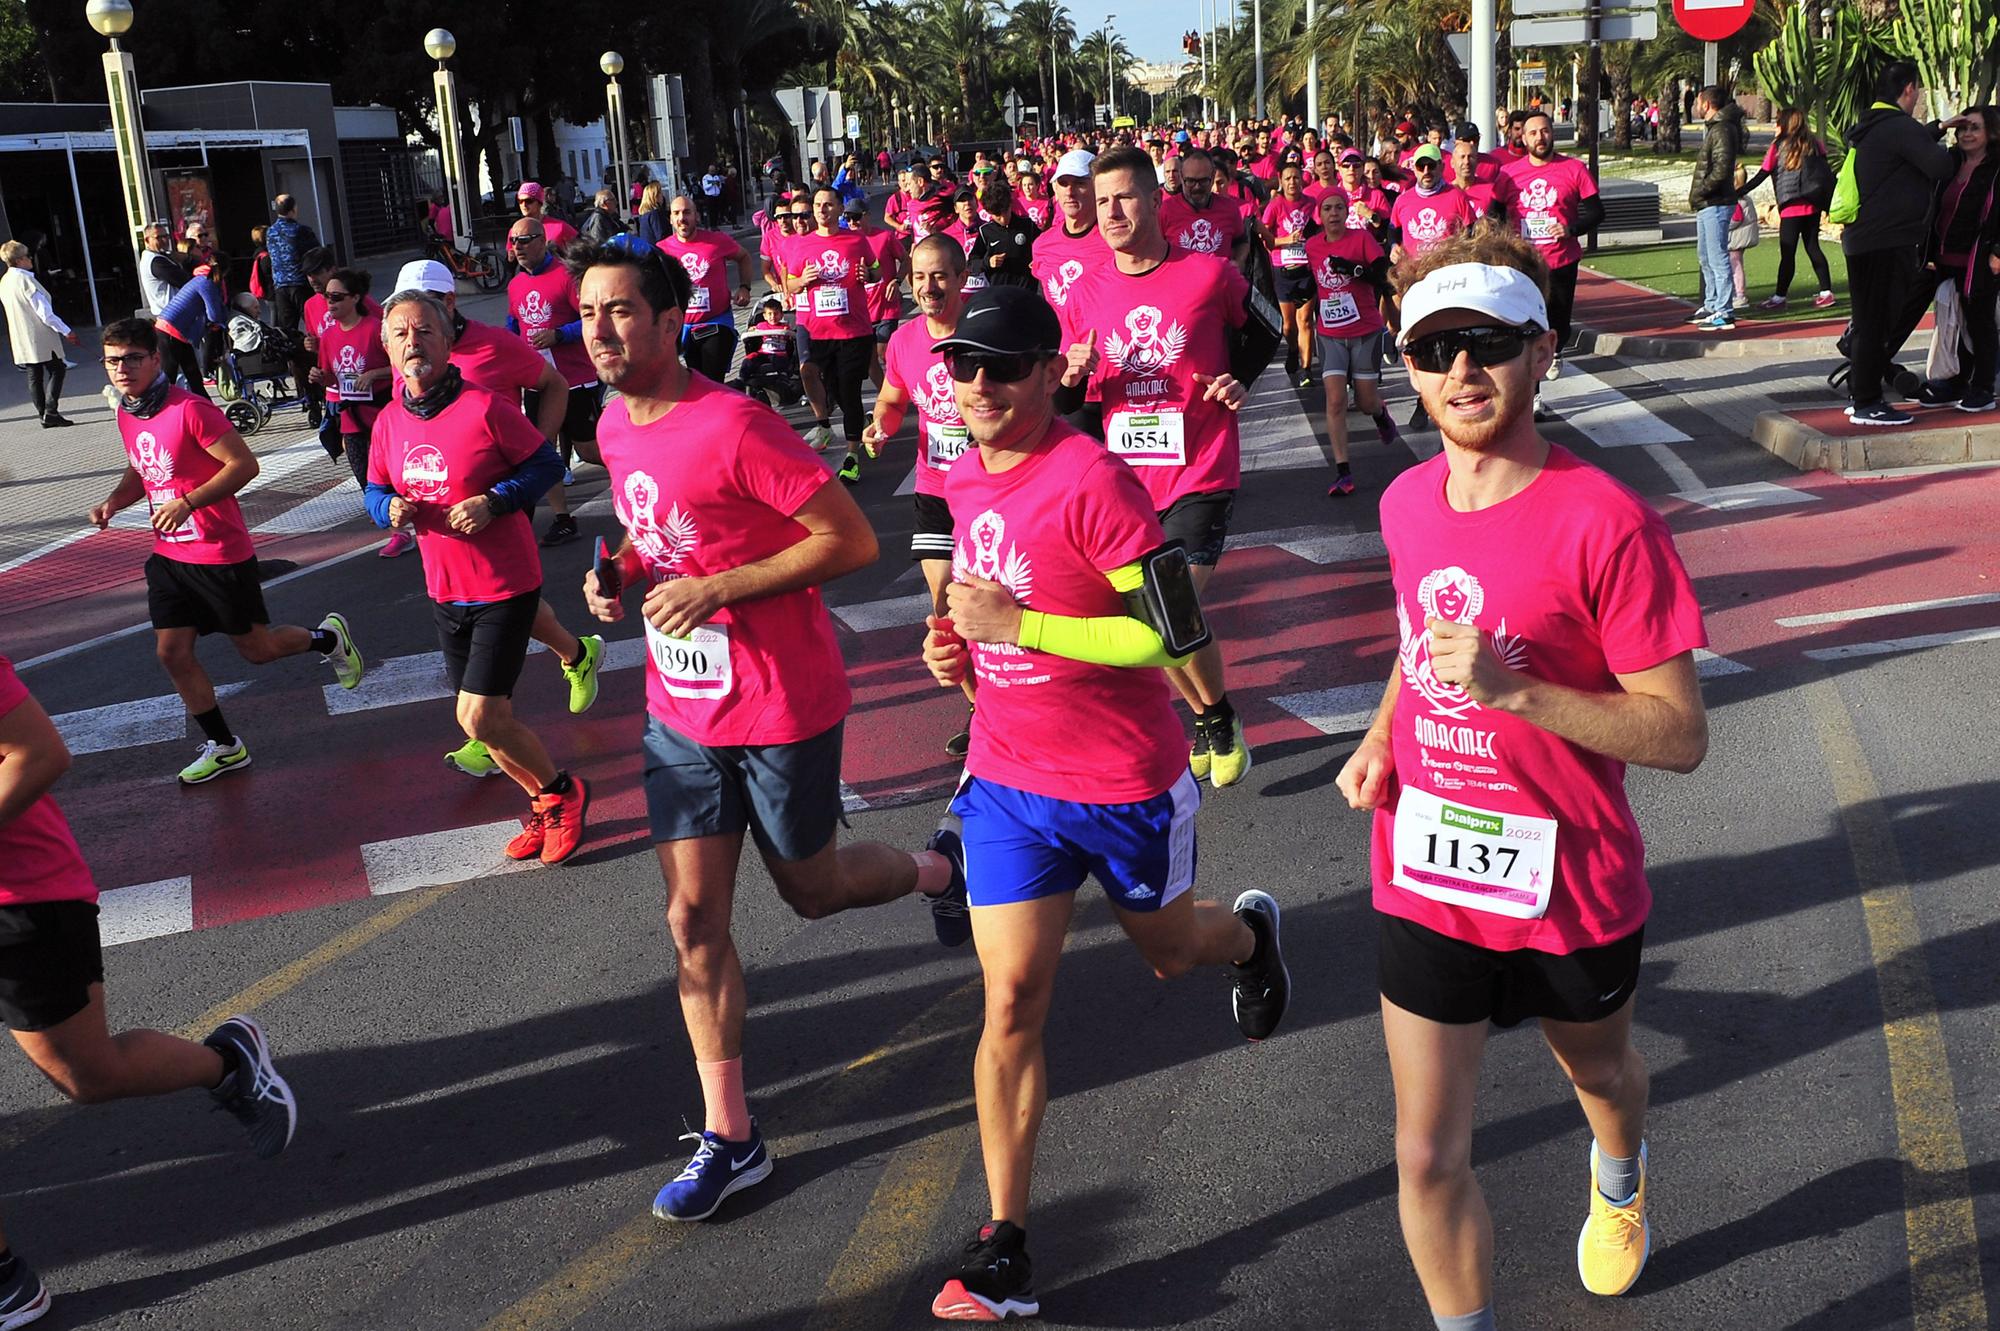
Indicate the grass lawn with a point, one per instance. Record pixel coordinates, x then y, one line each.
1672 268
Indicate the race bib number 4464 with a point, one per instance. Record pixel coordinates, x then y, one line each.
1148 439
1462 855
830 301
696 666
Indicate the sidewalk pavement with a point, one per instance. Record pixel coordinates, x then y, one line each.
1618 318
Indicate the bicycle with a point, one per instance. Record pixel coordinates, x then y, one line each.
480 265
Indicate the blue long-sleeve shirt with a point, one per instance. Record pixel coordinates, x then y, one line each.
190 310
286 240
850 189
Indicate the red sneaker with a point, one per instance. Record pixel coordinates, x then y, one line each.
562 817
528 842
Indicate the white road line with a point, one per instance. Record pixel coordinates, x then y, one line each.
436 858
1608 417
1678 472
1916 644
322 512
1707 665
1882 611
145 910
849 801
127 725
399 680
895 612
1345 710
1752 494
48 548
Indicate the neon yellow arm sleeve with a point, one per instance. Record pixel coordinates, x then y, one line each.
1109 640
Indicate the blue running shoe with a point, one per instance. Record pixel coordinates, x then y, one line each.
718 1168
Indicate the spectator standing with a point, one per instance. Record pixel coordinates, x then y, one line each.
1898 164
652 221
1712 196
194 309
35 330
1963 248
1744 233
287 239
160 274
602 222
1800 177
711 196
732 195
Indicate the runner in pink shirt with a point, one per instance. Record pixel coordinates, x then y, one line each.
1547 639
186 462
731 528
1367 205
463 467
1350 275
541 309
52 979
533 203
1287 218
1066 253
885 292
1430 211
917 376
1555 205
1152 331
1058 557
354 372
829 271
1200 221
709 338
1032 193
1481 180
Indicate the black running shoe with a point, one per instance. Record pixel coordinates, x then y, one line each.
255 1095
951 912
1935 394
23 1299
992 1284
1263 986
1420 419
561 531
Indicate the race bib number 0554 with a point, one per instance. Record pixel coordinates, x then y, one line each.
1462 855
1149 439
696 666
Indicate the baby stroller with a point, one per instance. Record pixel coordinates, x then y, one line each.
771 366
258 374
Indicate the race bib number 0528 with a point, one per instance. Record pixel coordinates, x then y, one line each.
696 666
1462 855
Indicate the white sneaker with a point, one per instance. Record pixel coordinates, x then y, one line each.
1555 369
820 437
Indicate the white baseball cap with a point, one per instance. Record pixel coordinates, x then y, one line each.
1508 295
1075 162
426 275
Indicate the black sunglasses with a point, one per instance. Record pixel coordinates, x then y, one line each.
1009 368
338 295
1438 352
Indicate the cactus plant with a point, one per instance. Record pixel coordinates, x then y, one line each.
1956 47
1828 75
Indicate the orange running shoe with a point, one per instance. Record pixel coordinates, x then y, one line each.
562 819
528 842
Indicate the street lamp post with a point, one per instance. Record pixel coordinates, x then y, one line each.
1312 73
1257 34
1110 82
439 46
112 19
613 64
1055 88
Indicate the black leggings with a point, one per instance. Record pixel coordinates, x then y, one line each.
1792 232
710 355
843 362
180 359
45 381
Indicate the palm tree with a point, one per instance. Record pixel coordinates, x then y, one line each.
1042 27
1101 51
959 35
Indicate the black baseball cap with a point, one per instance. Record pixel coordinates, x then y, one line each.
1467 132
1006 320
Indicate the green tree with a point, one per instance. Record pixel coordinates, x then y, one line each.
1101 51
961 36
1037 28
24 77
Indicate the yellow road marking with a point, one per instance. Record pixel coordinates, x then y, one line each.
581 1284
1946 1290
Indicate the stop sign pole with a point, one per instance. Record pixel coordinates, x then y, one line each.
1711 21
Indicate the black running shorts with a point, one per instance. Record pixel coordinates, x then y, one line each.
586 404
787 795
1295 285
50 955
1200 522
208 598
1445 980
485 645
932 537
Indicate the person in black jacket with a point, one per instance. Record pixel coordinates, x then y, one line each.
1963 248
1712 196
1898 164
1005 240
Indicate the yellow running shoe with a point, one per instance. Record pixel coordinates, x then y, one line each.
1616 1240
1198 758
1229 756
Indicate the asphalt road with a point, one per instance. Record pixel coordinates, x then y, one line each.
493 1075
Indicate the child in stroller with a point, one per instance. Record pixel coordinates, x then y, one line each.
257 374
770 358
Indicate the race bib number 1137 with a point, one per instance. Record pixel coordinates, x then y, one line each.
1462 855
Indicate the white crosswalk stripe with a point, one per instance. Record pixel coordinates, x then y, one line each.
399 680
437 858
145 910
126 725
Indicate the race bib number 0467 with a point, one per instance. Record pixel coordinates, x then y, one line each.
1462 855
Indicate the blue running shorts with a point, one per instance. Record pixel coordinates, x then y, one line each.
1021 847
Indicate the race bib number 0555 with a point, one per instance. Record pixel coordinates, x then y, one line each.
696 666
1149 439
1462 855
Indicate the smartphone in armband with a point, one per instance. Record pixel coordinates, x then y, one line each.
1171 605
610 572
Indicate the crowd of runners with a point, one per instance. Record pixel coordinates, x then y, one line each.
1088 317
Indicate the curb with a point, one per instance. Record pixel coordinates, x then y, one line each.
1810 449
1591 341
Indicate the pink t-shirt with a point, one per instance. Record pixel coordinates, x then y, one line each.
1486 188
1049 530
910 366
556 231
169 450
896 212
496 360
1575 580
1041 211
317 316
1265 167
1213 230
548 300
1284 218
39 858
1425 219
885 294
1059 260
463 451
709 487
706 259
1546 193
836 306
1348 306
1155 332
345 354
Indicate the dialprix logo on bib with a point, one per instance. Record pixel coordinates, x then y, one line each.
1472 820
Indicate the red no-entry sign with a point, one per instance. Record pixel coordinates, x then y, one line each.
1712 20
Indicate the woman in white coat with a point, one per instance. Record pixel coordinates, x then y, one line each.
36 331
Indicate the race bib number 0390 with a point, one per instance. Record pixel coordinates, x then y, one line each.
1462 855
1151 439
696 666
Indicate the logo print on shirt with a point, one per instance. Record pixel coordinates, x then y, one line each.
1014 573
535 311
349 361
940 400
1328 278
1426 224
1451 594
425 476
1202 236
1540 196
1149 350
697 268
1060 283
663 545
833 268
156 464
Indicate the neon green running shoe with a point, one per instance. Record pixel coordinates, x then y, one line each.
472 759
215 760
582 676
345 658
850 470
